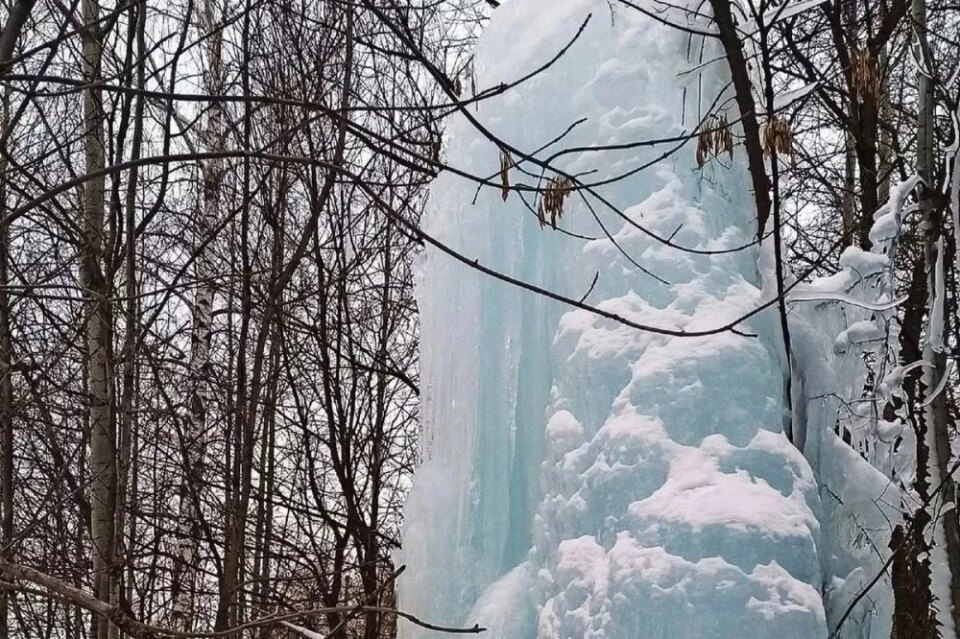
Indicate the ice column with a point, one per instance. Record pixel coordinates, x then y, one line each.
582 478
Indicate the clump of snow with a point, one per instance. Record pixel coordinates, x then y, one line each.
564 432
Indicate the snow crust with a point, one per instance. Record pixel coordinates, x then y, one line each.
581 478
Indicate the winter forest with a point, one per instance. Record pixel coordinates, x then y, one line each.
516 319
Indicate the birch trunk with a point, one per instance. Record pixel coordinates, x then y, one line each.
194 436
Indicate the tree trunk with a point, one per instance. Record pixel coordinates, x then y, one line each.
194 442
886 120
848 206
6 384
16 19
103 458
946 537
135 42
244 414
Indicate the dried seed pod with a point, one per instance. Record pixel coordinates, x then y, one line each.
552 198
864 75
505 163
777 137
725 142
716 138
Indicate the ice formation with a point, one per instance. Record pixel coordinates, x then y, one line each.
845 336
583 478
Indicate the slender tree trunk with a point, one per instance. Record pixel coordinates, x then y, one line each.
935 418
369 573
886 121
866 147
245 407
6 383
264 517
131 318
18 13
103 454
195 433
264 526
849 204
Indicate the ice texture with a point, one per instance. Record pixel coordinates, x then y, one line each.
582 478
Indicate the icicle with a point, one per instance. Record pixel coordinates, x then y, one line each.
940 386
935 331
953 183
